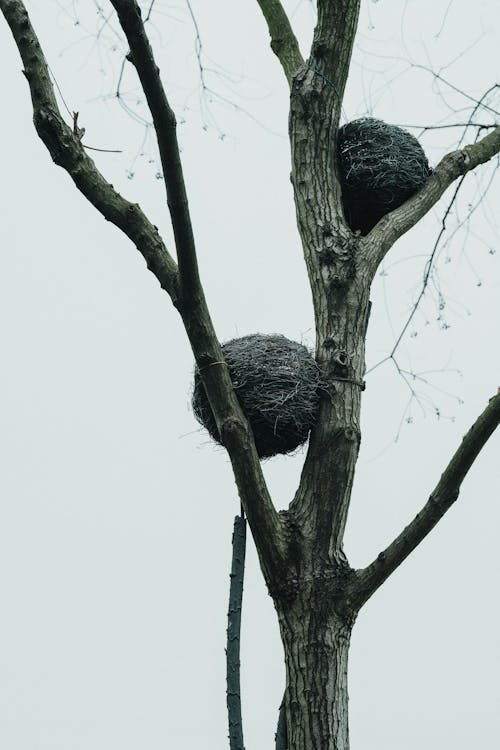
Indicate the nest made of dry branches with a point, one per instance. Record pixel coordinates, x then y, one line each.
277 382
381 166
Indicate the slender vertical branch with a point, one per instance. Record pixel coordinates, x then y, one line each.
233 691
165 124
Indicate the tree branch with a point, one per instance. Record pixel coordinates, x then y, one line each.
284 43
333 40
67 151
368 580
233 689
232 425
455 164
338 284
165 124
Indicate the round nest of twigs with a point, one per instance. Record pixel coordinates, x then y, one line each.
381 166
277 383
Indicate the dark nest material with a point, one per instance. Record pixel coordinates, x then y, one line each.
381 166
277 382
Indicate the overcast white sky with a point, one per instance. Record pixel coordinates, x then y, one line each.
116 508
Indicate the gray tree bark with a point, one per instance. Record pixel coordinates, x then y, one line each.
316 593
316 646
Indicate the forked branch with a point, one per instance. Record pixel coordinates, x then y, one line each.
186 292
368 580
234 429
284 43
455 164
67 151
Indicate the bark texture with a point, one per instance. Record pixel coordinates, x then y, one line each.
316 645
318 599
316 594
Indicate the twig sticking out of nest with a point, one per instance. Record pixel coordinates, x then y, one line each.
277 382
381 166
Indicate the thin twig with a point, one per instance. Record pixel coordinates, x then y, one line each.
429 266
424 128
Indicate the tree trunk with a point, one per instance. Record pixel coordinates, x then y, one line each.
316 647
317 616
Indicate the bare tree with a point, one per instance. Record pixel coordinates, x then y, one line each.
316 593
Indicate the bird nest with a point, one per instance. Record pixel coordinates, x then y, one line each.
277 383
381 166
